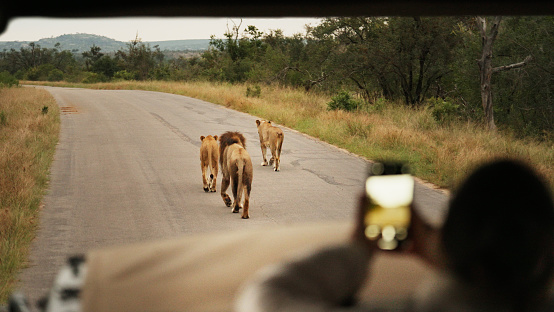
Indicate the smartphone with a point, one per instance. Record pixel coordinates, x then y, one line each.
390 193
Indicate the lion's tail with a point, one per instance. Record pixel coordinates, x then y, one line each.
240 173
280 139
210 164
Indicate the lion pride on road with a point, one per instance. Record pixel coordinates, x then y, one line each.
236 164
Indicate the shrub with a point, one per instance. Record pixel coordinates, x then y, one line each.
377 105
95 78
55 75
105 65
343 101
8 80
32 74
20 74
255 91
160 73
125 75
443 110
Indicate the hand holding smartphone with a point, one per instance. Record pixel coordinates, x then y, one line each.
390 192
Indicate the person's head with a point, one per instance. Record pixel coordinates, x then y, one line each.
499 232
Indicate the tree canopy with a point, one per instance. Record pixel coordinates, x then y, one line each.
412 61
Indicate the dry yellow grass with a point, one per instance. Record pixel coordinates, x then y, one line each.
27 143
439 154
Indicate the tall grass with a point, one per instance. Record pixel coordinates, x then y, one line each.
28 135
439 153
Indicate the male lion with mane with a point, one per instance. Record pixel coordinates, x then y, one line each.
209 153
272 137
236 167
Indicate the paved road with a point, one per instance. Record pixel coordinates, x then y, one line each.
127 169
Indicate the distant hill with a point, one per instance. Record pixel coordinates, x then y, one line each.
78 43
182 45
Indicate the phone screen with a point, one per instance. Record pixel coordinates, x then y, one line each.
388 214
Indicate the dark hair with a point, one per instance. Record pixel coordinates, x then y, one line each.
230 138
499 232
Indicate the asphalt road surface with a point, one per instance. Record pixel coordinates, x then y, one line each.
127 169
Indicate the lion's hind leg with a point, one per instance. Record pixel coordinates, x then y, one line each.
273 160
247 187
205 181
245 214
224 186
236 194
213 177
276 157
264 152
277 151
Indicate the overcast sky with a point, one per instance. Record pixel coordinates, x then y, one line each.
148 29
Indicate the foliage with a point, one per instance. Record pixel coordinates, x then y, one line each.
254 91
8 80
55 75
94 78
398 57
40 72
92 56
125 75
402 60
524 96
444 111
105 65
342 101
140 58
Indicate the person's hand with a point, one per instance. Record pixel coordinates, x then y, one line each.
358 236
422 240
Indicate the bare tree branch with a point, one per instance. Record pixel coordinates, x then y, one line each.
528 59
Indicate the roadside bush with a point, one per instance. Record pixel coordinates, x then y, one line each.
8 80
105 66
125 75
55 75
254 91
95 78
32 74
343 101
376 105
20 74
443 110
160 73
40 73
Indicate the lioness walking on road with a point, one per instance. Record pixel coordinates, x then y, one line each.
236 167
209 153
272 137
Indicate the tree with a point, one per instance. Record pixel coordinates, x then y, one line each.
488 36
105 66
523 97
139 58
399 57
92 56
236 58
